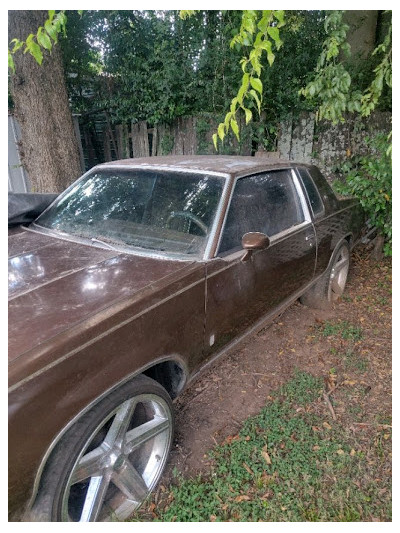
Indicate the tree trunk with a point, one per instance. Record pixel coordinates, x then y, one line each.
362 32
49 148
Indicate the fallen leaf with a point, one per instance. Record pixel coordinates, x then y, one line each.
326 425
340 452
265 455
349 382
353 452
267 495
249 470
242 498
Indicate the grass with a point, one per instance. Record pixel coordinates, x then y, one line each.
353 361
289 463
342 328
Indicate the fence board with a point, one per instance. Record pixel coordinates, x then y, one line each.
140 139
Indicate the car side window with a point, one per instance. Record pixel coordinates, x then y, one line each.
312 191
266 202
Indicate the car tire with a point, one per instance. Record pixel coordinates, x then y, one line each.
331 285
109 461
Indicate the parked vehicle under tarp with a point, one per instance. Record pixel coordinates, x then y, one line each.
24 208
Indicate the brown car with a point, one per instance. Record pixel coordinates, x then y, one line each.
137 276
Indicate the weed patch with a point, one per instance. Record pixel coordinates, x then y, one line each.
342 329
285 464
353 361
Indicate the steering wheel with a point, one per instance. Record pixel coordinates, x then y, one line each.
190 216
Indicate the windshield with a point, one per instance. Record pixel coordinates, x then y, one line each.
157 210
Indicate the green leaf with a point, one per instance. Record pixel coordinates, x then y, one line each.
227 119
11 65
243 63
241 93
280 15
235 128
249 114
256 98
221 131
18 44
264 21
51 30
28 41
43 39
35 51
215 140
274 33
266 45
256 83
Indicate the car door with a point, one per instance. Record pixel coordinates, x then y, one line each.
240 293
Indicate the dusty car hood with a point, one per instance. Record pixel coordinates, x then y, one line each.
54 284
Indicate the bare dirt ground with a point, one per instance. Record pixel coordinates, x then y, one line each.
349 345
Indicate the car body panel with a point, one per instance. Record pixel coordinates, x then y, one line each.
100 351
83 319
288 262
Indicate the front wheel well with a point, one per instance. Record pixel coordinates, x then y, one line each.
349 239
170 375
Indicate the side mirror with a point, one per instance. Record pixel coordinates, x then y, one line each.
254 240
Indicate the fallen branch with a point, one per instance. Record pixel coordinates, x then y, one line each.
333 388
380 426
326 398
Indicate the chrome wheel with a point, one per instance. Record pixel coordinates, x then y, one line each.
120 463
338 274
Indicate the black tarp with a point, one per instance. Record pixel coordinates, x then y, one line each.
23 208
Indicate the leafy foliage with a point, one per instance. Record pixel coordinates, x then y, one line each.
332 90
82 61
44 39
156 67
383 75
332 81
262 33
160 65
369 178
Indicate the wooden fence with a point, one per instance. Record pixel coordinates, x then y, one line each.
102 141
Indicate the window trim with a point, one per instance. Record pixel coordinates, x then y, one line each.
282 234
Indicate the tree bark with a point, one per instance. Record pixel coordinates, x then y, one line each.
49 148
362 32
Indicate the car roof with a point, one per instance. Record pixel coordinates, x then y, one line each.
225 165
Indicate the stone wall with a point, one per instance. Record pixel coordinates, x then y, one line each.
326 145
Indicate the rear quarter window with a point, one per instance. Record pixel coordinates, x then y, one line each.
328 196
312 192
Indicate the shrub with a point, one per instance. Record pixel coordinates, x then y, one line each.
369 178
